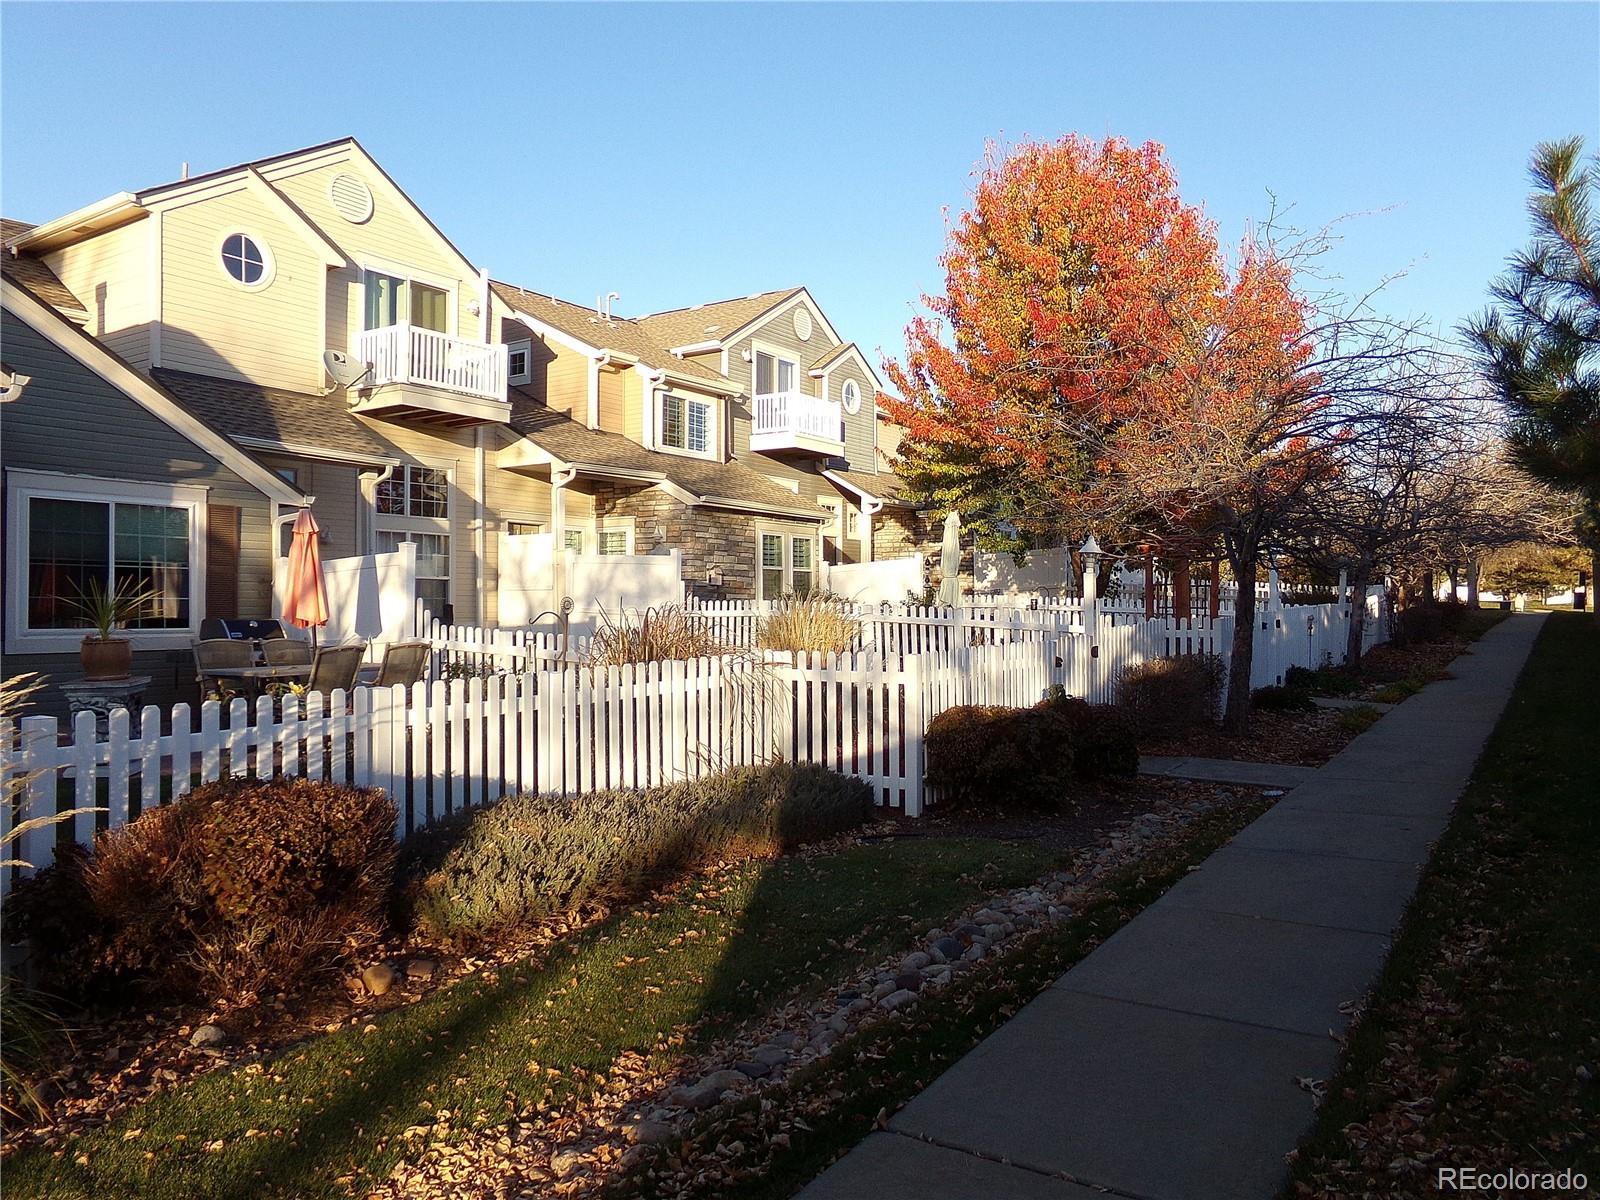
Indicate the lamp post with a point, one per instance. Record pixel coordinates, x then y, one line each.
1091 576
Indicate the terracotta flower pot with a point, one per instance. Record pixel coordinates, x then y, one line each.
108 658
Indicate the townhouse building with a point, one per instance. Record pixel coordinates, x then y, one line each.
301 313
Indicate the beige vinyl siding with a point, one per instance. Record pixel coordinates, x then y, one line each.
337 488
110 276
210 324
395 233
776 332
858 435
805 478
560 378
452 450
889 435
613 417
633 406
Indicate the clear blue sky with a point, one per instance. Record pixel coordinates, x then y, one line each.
678 153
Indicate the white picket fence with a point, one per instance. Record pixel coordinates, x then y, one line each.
521 715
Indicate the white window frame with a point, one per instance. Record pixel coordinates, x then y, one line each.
23 486
523 346
713 450
269 262
397 523
583 540
408 275
780 355
788 537
844 391
622 525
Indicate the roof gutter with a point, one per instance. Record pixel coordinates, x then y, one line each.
62 229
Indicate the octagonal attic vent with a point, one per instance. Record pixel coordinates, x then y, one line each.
351 197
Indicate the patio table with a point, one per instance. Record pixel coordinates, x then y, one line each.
254 677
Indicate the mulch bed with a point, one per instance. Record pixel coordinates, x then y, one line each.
1306 739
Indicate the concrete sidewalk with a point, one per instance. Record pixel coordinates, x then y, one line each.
1165 1065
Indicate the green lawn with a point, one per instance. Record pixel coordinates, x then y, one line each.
329 1117
1471 1052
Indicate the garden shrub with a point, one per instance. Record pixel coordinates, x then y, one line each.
1103 742
981 754
1326 680
1170 695
1420 623
1281 699
236 888
527 857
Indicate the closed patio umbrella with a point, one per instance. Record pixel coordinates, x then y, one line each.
305 601
950 561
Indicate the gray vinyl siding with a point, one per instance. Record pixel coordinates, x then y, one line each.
337 488
71 421
777 331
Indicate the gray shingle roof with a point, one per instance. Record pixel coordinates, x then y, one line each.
571 441
33 274
618 334
248 410
710 322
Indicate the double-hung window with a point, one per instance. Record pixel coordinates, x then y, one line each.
69 537
686 423
788 565
413 505
775 373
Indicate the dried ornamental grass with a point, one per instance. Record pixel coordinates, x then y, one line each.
660 634
818 624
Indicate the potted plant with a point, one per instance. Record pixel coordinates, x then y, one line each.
109 609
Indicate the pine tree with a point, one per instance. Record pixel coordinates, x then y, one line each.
1539 345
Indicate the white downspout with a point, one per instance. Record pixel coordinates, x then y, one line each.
369 505
559 478
479 535
652 380
596 363
488 307
869 509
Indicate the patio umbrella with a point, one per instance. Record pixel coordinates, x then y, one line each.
305 601
950 561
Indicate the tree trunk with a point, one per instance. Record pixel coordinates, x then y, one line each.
1236 713
1358 615
1454 571
1474 566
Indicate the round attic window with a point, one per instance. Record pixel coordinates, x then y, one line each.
802 323
851 397
351 197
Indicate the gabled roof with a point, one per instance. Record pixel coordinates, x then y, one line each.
34 275
721 484
278 419
884 485
620 335
711 322
144 391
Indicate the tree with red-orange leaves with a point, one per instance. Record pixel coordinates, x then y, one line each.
1063 283
1095 364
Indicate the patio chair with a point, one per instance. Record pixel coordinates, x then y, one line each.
286 652
210 654
403 662
335 667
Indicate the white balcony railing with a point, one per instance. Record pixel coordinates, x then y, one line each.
409 354
795 421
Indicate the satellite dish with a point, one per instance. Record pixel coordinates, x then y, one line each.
346 371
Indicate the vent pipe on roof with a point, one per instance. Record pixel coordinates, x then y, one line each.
185 173
603 307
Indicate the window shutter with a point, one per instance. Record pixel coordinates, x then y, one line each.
222 561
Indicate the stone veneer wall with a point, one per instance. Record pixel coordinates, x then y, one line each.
709 538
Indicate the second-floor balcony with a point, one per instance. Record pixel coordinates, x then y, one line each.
796 421
410 366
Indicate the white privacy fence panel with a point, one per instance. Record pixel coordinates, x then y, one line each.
371 597
508 711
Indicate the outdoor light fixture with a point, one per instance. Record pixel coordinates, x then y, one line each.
1090 550
714 576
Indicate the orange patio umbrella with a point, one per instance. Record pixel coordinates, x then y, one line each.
305 601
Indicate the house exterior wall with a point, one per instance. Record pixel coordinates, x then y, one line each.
860 436
66 409
710 539
394 236
110 275
897 532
